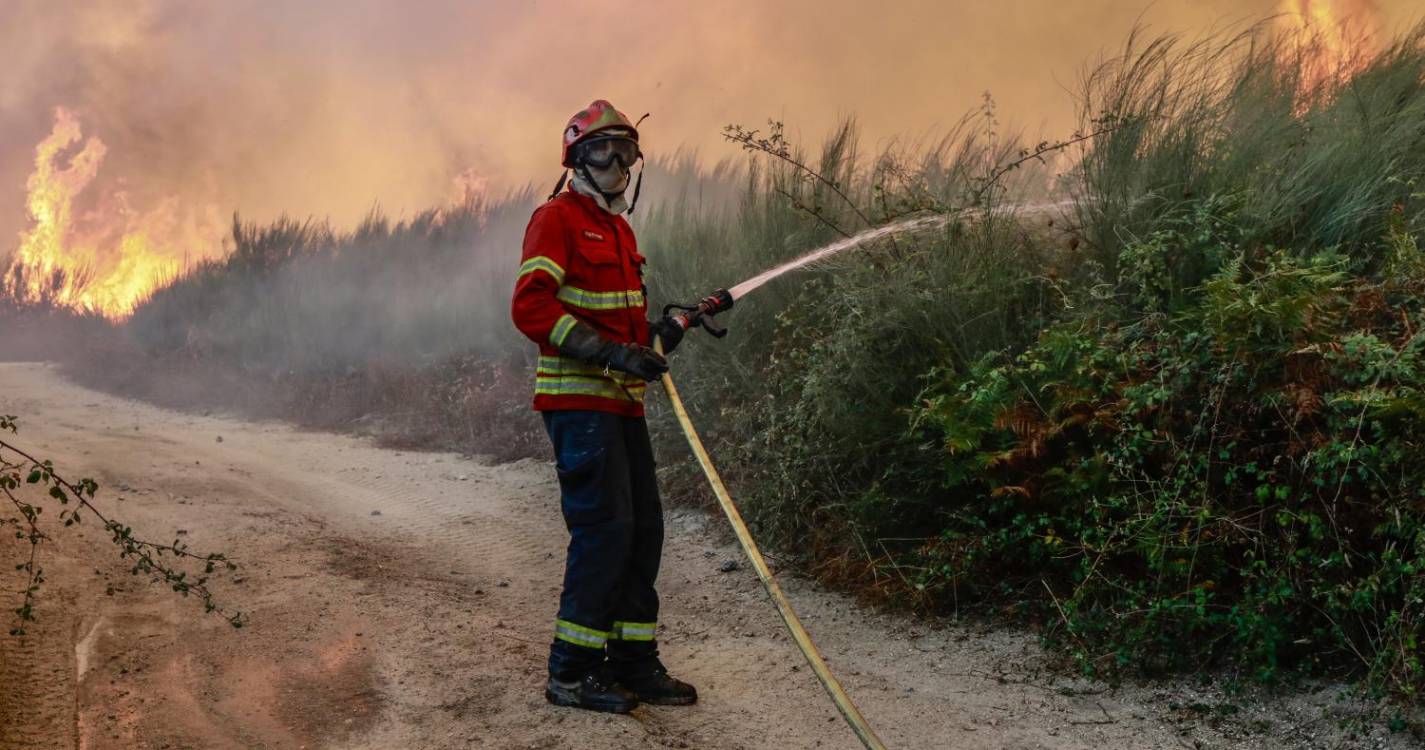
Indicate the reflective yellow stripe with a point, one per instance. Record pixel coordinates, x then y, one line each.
579 635
634 631
567 366
577 385
562 327
600 300
559 366
541 263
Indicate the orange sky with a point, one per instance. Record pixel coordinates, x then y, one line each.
325 107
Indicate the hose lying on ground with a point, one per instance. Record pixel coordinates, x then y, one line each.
784 607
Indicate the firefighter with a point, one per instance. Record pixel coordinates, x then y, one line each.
580 297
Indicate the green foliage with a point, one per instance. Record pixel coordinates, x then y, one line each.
1240 478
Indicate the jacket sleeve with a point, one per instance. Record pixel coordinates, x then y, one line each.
535 310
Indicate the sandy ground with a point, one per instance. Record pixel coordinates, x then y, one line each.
402 600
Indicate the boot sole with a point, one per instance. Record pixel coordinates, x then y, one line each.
572 702
668 701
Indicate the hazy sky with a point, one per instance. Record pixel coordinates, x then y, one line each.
327 106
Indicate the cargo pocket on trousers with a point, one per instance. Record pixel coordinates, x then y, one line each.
581 483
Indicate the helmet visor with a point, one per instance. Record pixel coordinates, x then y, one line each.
602 151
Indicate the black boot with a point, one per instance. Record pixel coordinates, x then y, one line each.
593 691
653 685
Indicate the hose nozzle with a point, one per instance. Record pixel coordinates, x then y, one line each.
701 314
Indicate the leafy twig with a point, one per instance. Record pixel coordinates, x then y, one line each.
1040 150
146 555
775 145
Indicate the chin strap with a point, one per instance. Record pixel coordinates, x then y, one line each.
559 185
637 186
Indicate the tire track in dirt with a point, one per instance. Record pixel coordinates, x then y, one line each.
37 685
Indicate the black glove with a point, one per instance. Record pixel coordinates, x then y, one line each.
583 342
635 360
666 330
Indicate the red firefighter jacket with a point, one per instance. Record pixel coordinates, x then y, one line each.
581 263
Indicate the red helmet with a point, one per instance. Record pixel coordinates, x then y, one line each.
600 115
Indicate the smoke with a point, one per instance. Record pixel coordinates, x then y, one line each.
329 107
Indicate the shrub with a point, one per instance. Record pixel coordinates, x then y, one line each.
1242 477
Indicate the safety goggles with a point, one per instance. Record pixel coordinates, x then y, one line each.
601 151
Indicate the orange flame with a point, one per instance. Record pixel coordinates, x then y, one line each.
1334 34
76 261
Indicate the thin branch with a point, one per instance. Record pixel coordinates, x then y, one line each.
1038 153
797 204
146 553
776 146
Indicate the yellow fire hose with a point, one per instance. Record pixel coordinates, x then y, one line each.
784 607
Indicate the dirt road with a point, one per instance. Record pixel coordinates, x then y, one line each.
405 600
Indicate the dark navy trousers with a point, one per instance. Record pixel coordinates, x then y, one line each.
609 497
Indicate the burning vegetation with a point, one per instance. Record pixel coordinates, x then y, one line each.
97 253
1335 39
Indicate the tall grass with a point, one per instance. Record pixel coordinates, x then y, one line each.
1314 165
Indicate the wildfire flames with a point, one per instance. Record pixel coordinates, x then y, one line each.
105 258
1335 35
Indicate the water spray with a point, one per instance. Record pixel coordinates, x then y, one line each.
701 314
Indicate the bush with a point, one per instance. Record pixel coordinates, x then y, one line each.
1243 477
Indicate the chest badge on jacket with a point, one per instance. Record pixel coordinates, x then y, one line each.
590 235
